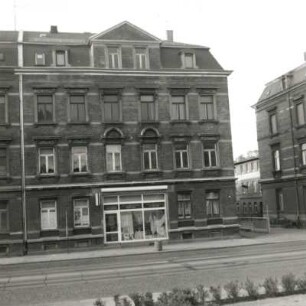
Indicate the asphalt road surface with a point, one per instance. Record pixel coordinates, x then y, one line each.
33 283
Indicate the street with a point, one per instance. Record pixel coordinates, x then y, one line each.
34 283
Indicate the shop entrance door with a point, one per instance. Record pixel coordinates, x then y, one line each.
111 227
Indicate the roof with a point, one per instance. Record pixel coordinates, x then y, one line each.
284 82
8 36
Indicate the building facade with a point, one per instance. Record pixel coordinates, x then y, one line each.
281 130
111 138
249 201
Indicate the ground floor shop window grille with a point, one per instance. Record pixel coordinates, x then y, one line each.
135 217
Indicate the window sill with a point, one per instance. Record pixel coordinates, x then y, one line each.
77 174
115 175
112 123
153 122
182 172
214 220
300 126
45 176
79 123
274 135
36 124
203 121
151 173
211 171
180 121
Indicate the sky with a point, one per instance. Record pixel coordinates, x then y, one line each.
259 40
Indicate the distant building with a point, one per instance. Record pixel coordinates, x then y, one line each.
122 138
249 202
281 131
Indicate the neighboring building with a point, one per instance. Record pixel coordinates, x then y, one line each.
249 201
281 131
123 138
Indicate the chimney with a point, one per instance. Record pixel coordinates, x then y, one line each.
170 35
53 29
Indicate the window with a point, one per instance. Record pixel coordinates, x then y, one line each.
255 208
46 161
114 58
210 154
212 204
3 110
184 205
147 107
178 106
140 58
280 201
150 156
300 114
113 158
276 160
3 217
60 57
81 212
303 149
48 215
79 159
206 107
3 162
44 108
181 156
273 124
77 108
1 56
39 59
111 108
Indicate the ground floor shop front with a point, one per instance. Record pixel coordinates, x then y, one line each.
102 216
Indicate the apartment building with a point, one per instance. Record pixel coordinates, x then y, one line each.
111 138
281 130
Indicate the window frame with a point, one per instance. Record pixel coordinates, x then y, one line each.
6 161
210 151
175 110
4 210
46 160
65 58
147 105
37 108
150 152
110 54
83 224
203 113
145 54
181 152
303 154
209 204
78 94
5 106
273 124
276 159
43 58
184 55
104 103
79 159
44 201
299 104
184 203
113 158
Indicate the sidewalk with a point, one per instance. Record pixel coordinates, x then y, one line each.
276 235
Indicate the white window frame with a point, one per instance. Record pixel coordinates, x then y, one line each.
40 59
181 153
203 111
303 153
46 157
144 102
183 203
183 60
276 160
300 113
79 156
111 103
49 211
141 58
150 152
273 123
111 57
85 221
210 152
176 108
113 149
210 207
53 108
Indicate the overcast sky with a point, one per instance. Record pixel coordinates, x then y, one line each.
258 40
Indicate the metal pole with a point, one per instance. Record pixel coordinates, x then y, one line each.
23 183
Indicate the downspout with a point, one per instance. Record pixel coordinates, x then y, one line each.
22 151
291 107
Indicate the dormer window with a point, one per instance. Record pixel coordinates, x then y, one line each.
40 59
188 60
114 60
60 58
141 61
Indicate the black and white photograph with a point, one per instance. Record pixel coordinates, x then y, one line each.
152 153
